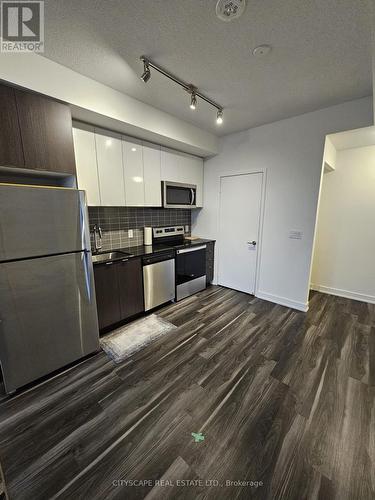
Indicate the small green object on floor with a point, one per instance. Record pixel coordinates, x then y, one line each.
198 437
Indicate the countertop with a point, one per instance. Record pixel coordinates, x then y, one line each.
144 250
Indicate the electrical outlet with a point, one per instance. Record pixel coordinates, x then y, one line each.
130 233
186 229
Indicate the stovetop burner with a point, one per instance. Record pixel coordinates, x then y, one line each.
171 244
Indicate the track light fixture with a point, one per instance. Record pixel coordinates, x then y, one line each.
191 89
193 102
146 72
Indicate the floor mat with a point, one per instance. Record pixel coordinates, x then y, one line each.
128 339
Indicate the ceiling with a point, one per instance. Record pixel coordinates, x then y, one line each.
321 54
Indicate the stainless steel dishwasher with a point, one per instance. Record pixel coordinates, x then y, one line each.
158 279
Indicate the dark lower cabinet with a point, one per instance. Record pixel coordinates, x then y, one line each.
130 280
119 291
210 256
107 294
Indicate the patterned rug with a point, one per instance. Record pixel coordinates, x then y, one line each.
128 339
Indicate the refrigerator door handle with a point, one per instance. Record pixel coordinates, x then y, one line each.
87 268
85 232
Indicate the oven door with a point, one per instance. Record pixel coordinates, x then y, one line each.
190 271
177 195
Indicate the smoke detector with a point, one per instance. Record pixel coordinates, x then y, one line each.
262 50
227 10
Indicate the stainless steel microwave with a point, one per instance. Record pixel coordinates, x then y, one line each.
179 195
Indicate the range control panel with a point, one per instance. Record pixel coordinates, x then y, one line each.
161 232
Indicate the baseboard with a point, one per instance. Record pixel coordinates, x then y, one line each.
300 306
343 293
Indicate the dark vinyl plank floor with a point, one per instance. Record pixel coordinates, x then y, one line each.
285 401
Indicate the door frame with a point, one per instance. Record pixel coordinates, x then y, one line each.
262 171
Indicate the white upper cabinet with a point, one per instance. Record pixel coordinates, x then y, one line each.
87 171
152 174
110 169
116 170
195 166
132 154
180 167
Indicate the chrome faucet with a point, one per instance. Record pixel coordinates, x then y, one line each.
97 237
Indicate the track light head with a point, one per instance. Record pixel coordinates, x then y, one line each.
219 117
146 72
193 102
146 76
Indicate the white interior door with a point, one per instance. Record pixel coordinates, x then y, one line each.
240 206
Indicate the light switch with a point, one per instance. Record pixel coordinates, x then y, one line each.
295 235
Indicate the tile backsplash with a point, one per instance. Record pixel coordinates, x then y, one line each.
116 222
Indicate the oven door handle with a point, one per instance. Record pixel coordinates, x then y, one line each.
192 249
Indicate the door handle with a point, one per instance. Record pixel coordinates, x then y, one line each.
192 197
252 243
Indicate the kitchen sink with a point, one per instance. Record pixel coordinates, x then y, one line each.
110 256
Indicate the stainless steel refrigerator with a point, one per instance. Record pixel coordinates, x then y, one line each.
48 313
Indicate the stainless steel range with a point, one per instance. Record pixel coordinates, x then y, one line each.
190 259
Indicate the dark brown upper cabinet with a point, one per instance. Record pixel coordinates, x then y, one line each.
11 152
46 133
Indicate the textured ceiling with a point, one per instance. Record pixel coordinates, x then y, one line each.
321 54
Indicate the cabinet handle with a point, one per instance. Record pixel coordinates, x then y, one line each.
124 260
108 263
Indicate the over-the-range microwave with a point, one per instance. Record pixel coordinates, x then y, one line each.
179 195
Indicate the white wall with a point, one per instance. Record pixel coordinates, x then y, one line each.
372 13
344 256
291 151
329 156
100 105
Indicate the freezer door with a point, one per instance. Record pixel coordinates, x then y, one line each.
37 221
47 316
